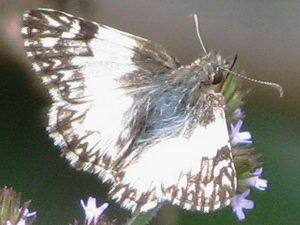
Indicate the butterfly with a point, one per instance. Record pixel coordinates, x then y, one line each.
125 109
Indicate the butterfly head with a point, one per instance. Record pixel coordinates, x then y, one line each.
215 66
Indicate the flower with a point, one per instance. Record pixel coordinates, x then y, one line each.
238 137
92 212
25 219
239 202
255 181
26 216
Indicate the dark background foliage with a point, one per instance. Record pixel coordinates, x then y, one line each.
265 34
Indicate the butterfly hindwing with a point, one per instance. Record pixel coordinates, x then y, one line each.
123 108
186 166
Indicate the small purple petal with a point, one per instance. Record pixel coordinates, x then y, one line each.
256 181
92 212
238 137
240 202
28 214
238 112
261 184
188 67
258 172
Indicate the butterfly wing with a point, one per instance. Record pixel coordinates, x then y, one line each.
87 68
183 155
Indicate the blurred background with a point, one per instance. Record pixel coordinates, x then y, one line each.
264 34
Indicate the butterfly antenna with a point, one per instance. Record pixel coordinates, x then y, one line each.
266 83
198 32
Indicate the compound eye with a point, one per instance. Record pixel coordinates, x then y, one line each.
218 77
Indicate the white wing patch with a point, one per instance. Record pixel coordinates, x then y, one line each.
120 38
173 164
173 149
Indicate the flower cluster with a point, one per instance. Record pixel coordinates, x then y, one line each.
12 213
247 167
246 178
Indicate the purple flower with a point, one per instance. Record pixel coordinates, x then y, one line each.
25 217
239 202
255 181
92 212
238 137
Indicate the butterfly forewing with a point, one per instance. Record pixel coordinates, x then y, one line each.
123 108
82 64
